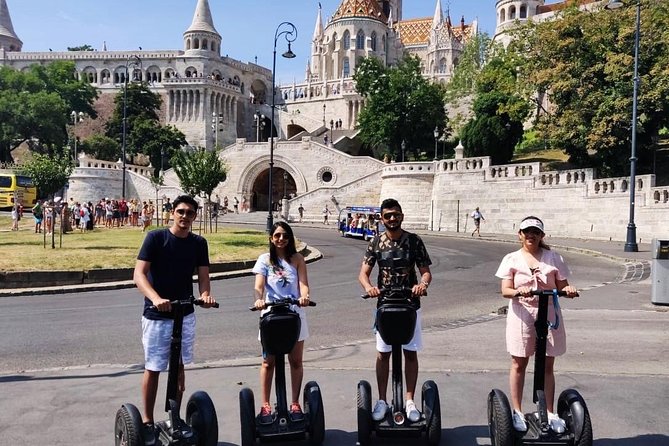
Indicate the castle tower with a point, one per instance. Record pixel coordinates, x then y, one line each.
314 69
202 37
9 41
508 11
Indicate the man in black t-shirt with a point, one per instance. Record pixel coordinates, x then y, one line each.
163 272
398 254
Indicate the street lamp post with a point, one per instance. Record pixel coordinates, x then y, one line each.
76 117
436 137
331 129
404 146
259 121
135 62
289 32
285 180
630 242
324 107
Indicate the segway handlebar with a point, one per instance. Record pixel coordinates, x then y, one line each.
385 291
548 293
284 301
190 300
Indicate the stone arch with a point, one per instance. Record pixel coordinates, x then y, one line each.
294 129
90 75
523 11
105 76
153 74
502 16
254 181
259 90
512 12
191 72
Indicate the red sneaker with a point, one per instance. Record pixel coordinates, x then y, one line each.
296 413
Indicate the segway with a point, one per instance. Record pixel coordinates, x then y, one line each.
279 332
570 404
201 424
396 322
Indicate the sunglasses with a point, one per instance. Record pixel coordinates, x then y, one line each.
281 235
390 215
186 212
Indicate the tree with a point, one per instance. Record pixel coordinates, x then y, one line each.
49 173
400 105
102 147
476 52
584 62
35 106
81 48
199 171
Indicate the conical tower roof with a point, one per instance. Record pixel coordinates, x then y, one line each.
6 28
360 8
318 29
202 20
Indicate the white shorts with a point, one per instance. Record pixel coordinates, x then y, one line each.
415 345
156 336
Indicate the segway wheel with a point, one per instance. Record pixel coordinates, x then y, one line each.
499 419
572 409
247 417
128 426
432 412
313 404
201 417
364 413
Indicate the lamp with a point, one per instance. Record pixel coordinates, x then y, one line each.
630 241
135 62
216 121
259 121
76 117
290 34
436 137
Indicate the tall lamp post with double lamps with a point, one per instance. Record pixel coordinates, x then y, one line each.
134 62
436 139
76 117
630 242
289 32
259 121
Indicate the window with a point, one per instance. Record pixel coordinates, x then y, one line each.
347 40
347 67
373 42
360 41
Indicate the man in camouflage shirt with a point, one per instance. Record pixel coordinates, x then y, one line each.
398 253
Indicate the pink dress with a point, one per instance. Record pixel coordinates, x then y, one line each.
520 331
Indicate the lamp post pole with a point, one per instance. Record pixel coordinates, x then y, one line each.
76 117
436 137
259 123
216 121
134 61
630 241
404 146
290 34
324 107
331 128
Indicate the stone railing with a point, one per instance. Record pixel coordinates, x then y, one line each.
177 81
465 164
564 177
88 162
513 171
413 168
620 185
659 196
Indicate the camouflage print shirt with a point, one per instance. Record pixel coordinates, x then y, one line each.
398 259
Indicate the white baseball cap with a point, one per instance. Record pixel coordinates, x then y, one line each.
532 223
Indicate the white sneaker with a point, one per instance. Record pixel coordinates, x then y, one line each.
412 412
557 424
380 409
519 423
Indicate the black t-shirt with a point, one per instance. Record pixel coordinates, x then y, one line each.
398 259
173 260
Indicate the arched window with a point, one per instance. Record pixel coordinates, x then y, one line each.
360 40
512 13
205 44
383 41
373 41
346 40
187 44
334 41
196 44
347 68
523 11
502 16
442 65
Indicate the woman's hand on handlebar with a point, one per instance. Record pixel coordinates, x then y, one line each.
303 301
260 304
571 291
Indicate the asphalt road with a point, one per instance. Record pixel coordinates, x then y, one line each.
93 328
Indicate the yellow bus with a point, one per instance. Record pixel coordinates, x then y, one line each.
17 189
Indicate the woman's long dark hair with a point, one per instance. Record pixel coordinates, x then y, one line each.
290 248
542 244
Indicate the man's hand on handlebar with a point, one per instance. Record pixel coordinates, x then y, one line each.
373 292
162 305
419 290
207 301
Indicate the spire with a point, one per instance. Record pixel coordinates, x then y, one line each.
202 20
438 16
390 19
8 38
318 30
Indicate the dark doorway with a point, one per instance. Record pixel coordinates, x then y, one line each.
282 185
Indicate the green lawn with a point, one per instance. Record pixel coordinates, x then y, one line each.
107 248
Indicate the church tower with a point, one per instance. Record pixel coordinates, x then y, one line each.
317 49
202 37
9 41
392 8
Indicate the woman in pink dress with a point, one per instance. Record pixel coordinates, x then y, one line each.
533 267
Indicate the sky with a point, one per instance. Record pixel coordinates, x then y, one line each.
246 26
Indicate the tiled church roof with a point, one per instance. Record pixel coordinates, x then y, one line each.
417 31
359 8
